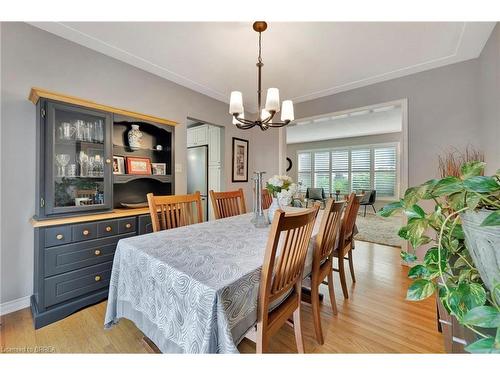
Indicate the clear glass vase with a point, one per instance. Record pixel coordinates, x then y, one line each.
275 205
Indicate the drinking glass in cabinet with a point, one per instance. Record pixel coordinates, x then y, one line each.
83 160
62 161
66 131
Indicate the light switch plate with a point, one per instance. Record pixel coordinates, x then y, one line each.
178 168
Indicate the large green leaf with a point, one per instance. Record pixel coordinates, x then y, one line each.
408 257
471 169
447 186
457 201
486 345
415 229
465 297
483 316
418 271
492 219
432 257
390 209
481 184
411 197
415 211
420 289
403 233
425 190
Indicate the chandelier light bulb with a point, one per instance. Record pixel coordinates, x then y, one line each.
236 102
273 100
287 111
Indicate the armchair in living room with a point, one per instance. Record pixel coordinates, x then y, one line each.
368 199
315 195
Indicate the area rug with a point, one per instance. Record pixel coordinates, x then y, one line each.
377 229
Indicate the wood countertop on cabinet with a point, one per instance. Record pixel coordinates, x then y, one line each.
116 213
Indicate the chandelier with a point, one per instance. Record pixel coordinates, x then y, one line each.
266 114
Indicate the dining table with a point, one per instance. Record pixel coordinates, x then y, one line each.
193 289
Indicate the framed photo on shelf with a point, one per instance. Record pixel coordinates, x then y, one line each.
159 168
118 164
136 165
240 160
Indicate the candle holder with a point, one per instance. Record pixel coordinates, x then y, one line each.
259 220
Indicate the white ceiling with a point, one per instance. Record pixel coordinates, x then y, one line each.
305 60
355 124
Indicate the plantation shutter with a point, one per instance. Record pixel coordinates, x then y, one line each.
360 167
322 170
340 171
304 170
385 164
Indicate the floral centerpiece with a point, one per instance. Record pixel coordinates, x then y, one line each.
282 189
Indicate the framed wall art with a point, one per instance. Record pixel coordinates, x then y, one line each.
240 160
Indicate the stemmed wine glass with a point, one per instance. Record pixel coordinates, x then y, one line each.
62 161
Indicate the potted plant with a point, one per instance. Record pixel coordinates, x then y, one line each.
462 263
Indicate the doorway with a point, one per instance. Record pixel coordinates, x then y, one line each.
205 161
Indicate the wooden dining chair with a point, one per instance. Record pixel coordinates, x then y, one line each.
172 211
281 278
322 266
228 203
345 245
267 199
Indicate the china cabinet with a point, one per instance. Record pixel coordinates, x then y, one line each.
83 205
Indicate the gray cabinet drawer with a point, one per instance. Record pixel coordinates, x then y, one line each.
107 228
145 225
57 235
77 283
126 225
70 257
85 231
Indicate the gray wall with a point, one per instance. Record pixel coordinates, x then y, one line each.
32 57
489 69
443 110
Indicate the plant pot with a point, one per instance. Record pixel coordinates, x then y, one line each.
483 244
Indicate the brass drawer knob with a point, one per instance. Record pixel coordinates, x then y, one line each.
97 252
108 229
128 225
97 278
86 232
59 236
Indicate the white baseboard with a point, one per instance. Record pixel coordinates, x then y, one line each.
17 304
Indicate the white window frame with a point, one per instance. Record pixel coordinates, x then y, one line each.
371 146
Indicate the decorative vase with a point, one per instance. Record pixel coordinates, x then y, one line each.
134 137
483 244
259 219
275 205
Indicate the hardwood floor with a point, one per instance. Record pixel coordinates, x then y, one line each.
375 319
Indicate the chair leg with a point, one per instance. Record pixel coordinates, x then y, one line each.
364 215
262 342
351 266
316 312
332 293
297 327
297 322
374 210
342 277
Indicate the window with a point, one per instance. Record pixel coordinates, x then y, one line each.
351 169
322 170
340 171
305 168
385 171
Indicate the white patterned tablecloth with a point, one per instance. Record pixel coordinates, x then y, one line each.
192 289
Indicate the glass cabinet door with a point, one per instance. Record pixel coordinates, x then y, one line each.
78 153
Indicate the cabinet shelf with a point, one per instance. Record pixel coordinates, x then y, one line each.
124 178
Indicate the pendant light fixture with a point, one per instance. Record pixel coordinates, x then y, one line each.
265 115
